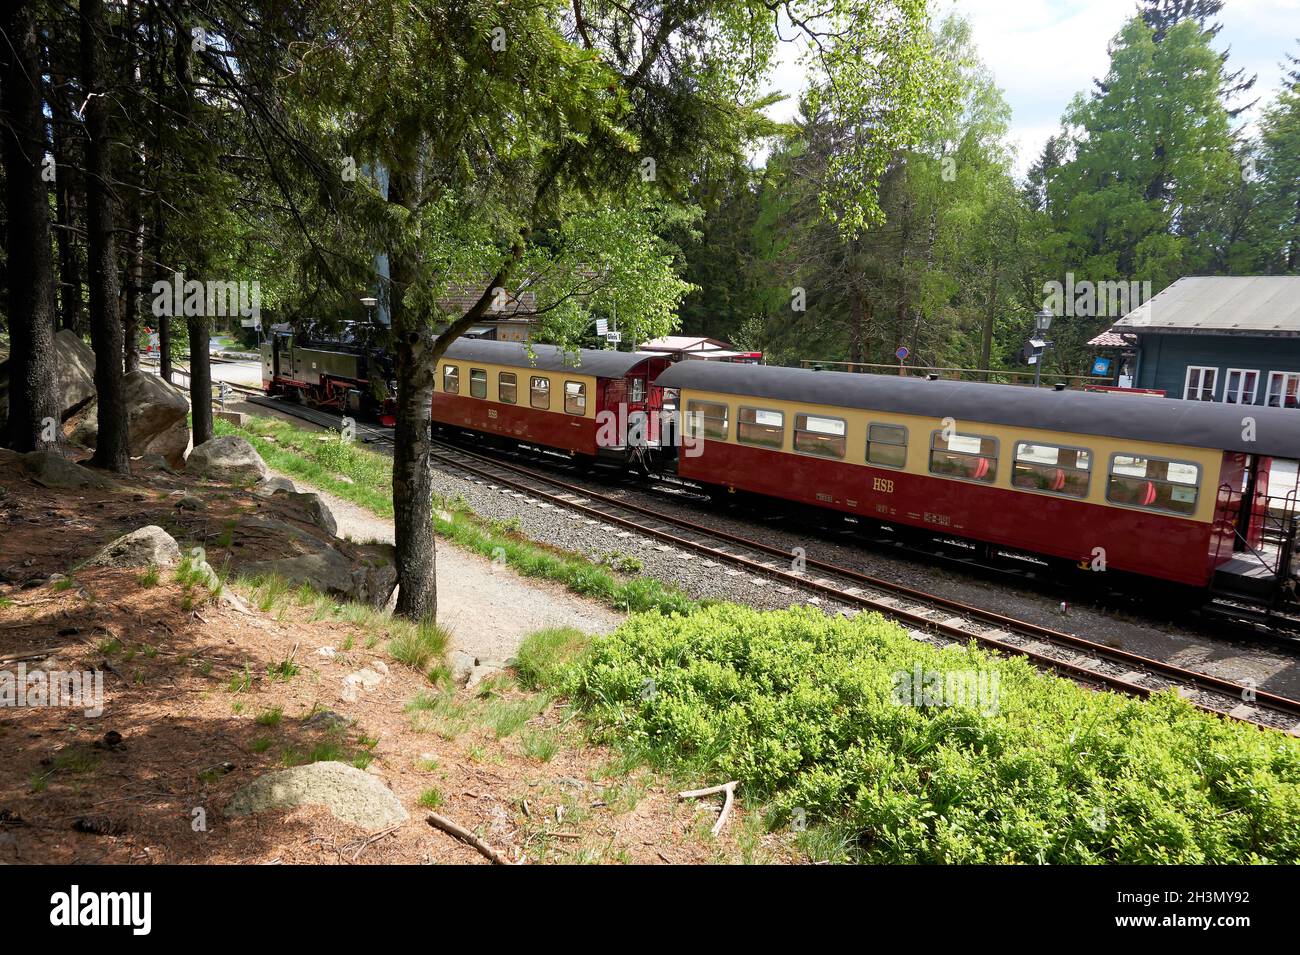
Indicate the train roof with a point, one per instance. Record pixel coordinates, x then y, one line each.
1133 417
588 361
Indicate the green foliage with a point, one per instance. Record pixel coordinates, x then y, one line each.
419 645
800 707
1150 152
543 655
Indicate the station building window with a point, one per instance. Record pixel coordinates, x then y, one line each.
1241 387
819 435
1052 469
507 388
707 419
1200 383
971 457
887 445
575 397
1158 484
539 393
451 379
1284 389
760 426
477 383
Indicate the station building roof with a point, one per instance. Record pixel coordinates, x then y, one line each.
1264 305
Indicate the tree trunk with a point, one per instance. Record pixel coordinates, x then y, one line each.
71 313
112 446
33 398
417 595
157 63
196 325
986 343
131 301
200 379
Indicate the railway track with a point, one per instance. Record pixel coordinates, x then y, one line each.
927 616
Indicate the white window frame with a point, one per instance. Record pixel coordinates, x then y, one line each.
1187 382
1227 380
1284 375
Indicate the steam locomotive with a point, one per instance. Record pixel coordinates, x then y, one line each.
347 368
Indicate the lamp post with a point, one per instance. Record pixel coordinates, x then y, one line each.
369 302
1042 322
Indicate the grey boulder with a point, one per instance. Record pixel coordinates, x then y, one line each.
148 546
347 792
228 459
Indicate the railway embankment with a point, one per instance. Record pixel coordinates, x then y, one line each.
861 743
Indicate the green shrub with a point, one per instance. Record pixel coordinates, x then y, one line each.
802 709
542 656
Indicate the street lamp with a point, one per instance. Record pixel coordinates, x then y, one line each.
1038 345
369 302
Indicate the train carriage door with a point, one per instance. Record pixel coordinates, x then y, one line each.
1245 478
1259 501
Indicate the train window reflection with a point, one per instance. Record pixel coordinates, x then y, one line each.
540 393
451 379
1158 484
815 434
575 397
760 427
1052 469
969 456
507 388
477 383
887 445
707 419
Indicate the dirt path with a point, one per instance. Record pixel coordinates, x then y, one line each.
487 609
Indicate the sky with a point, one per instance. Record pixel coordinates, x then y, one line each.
1042 52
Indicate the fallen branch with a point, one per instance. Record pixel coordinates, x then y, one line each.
728 788
358 846
464 835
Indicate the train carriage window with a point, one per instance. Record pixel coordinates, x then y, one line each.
972 457
507 388
636 390
451 379
477 383
887 445
707 419
1053 469
1158 484
816 434
575 397
761 427
539 393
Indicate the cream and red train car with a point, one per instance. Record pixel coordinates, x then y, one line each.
1175 490
582 403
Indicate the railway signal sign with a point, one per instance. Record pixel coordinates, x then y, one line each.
613 338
